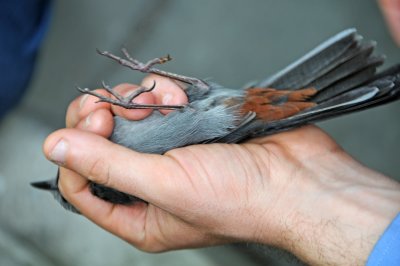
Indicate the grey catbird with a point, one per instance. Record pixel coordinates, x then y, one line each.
335 78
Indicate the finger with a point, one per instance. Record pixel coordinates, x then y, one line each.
391 10
86 104
75 189
123 221
126 89
166 91
100 122
140 224
83 106
112 165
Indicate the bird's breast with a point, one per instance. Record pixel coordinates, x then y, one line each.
158 133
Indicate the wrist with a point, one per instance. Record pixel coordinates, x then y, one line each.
332 209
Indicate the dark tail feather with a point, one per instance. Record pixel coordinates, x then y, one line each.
378 92
45 185
318 62
342 70
345 84
384 88
339 64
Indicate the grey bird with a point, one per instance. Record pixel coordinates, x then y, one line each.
335 78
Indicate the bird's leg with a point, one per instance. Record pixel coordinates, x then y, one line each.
148 67
126 102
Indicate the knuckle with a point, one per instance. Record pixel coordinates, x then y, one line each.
99 172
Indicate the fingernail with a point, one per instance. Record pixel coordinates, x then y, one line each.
58 154
147 82
83 100
87 120
167 98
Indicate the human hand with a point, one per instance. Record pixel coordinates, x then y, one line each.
296 190
391 11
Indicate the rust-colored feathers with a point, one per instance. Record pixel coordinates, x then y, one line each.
271 104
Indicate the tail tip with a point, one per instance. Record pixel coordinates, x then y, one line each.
44 185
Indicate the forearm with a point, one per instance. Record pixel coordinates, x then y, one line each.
347 208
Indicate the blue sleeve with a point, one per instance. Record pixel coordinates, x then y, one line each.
387 249
23 24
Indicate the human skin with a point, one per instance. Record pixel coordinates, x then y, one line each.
296 190
391 11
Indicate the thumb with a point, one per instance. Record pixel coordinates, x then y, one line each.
111 165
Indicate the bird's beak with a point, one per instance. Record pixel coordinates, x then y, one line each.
45 185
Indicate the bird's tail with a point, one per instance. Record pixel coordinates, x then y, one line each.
384 89
342 70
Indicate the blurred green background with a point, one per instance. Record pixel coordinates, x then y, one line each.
230 41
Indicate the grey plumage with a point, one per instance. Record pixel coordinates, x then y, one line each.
315 63
158 133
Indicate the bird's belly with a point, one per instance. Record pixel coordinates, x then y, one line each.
158 133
